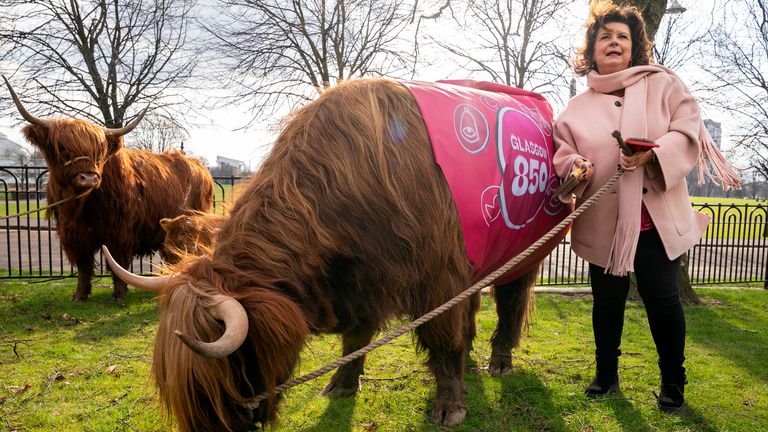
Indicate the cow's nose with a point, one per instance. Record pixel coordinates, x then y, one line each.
87 180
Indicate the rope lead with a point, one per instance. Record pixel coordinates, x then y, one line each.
501 271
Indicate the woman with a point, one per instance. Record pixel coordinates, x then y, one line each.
646 222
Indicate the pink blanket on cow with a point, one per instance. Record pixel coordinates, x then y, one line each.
494 146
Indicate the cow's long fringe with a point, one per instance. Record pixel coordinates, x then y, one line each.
207 394
192 233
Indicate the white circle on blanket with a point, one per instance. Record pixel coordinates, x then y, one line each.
471 128
490 103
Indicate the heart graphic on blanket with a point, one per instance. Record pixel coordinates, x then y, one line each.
552 204
489 202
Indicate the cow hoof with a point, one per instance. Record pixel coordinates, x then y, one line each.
447 413
500 364
334 391
118 300
79 297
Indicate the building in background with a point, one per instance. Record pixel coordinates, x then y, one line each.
715 130
11 153
21 166
14 154
228 167
708 188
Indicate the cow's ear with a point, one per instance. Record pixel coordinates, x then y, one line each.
38 136
114 143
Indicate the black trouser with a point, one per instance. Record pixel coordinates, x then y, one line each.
657 285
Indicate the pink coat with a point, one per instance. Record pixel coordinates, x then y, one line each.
672 121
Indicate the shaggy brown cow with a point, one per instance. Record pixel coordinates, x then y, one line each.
341 228
191 233
127 192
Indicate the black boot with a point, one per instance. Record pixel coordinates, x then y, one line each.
606 380
598 387
671 398
672 395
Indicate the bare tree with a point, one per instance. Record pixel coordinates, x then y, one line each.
678 40
506 41
96 58
157 133
738 76
279 53
421 13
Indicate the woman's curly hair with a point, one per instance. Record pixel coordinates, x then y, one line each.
602 12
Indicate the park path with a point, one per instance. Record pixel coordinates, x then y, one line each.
34 249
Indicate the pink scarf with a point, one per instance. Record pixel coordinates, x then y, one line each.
634 81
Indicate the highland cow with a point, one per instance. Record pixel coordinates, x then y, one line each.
349 222
122 193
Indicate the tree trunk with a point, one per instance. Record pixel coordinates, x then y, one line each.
687 294
653 11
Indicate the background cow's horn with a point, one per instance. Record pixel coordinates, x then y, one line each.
127 128
23 111
235 320
154 284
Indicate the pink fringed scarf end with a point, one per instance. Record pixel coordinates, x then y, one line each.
622 258
721 173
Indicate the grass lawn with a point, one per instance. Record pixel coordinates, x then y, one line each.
84 367
222 194
13 208
726 201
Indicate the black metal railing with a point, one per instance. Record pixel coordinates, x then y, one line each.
734 249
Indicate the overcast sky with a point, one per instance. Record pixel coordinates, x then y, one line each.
218 135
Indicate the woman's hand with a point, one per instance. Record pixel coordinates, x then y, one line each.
586 167
630 163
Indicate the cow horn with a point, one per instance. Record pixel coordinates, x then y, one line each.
154 284
235 320
23 111
127 128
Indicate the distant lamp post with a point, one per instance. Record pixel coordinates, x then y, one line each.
661 50
675 8
573 87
